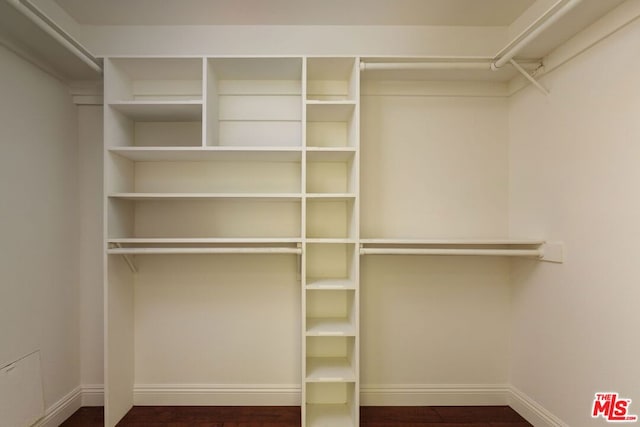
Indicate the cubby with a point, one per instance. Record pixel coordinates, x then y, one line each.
331 404
331 79
254 102
154 102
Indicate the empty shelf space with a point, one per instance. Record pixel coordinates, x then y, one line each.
205 196
330 326
329 416
329 369
159 154
330 154
160 110
330 111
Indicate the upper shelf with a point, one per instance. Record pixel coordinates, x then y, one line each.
160 111
159 154
207 196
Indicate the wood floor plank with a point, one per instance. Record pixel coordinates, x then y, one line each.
289 416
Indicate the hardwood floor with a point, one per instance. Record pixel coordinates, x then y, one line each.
289 416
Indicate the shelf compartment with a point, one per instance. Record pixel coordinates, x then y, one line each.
331 261
330 176
154 79
150 123
254 102
330 111
330 219
330 154
330 359
331 78
331 405
331 312
250 219
329 416
454 247
192 154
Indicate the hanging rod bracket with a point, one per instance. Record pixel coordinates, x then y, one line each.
528 77
552 252
127 259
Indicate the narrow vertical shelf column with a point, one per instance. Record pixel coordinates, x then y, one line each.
330 298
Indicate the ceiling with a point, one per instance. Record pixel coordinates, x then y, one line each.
296 12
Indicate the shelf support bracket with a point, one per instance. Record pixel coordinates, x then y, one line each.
529 77
128 260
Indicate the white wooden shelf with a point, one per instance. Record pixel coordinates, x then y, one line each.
207 196
203 240
330 154
333 240
331 196
160 111
329 369
217 153
203 250
330 284
329 416
330 327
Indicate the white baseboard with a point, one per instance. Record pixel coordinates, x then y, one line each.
217 394
57 413
434 394
289 395
532 411
93 395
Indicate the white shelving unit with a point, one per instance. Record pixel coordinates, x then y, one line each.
330 301
249 156
202 156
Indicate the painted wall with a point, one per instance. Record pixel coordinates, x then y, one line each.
294 40
90 153
39 306
573 177
433 167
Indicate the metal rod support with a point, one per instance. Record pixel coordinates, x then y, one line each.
529 77
511 52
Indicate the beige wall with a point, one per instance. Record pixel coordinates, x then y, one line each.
39 306
574 176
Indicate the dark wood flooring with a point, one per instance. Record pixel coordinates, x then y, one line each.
289 416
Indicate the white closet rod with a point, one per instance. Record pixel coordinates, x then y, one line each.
43 22
554 13
439 64
439 251
504 56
